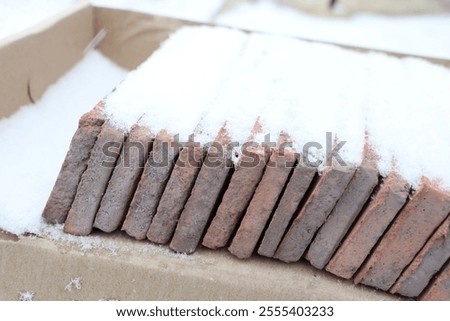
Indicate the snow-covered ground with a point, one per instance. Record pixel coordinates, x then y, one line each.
426 35
196 10
423 35
34 140
18 15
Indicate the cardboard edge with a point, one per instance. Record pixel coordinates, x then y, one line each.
29 67
124 269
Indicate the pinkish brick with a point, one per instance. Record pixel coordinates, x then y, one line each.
341 218
151 186
124 180
299 183
236 199
94 180
175 195
321 202
205 193
426 264
369 227
262 204
410 231
440 288
75 163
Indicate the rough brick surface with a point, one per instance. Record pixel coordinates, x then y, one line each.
75 163
151 186
408 234
124 180
440 288
94 180
329 189
262 204
235 200
369 227
299 183
198 209
426 264
175 195
341 218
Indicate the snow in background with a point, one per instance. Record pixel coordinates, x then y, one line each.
18 15
424 35
195 10
34 140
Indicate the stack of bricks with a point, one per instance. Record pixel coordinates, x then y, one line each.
348 220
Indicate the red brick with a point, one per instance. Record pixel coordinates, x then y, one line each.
75 163
151 186
262 204
440 288
426 264
175 195
408 234
207 188
329 189
94 181
369 227
299 183
341 218
236 198
124 180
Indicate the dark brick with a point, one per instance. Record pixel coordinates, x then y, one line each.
407 235
426 264
124 180
236 199
262 204
94 181
329 189
75 163
201 202
175 195
369 227
341 218
151 186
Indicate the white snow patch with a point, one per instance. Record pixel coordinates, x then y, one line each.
26 296
74 284
35 139
18 15
195 10
203 77
423 35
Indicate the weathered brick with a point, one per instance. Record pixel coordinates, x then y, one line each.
151 186
440 288
94 180
262 204
175 194
75 163
208 185
124 180
246 177
426 264
321 202
299 183
341 218
407 235
369 227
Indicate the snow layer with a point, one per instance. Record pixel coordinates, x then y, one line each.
35 139
423 35
194 10
203 77
18 15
